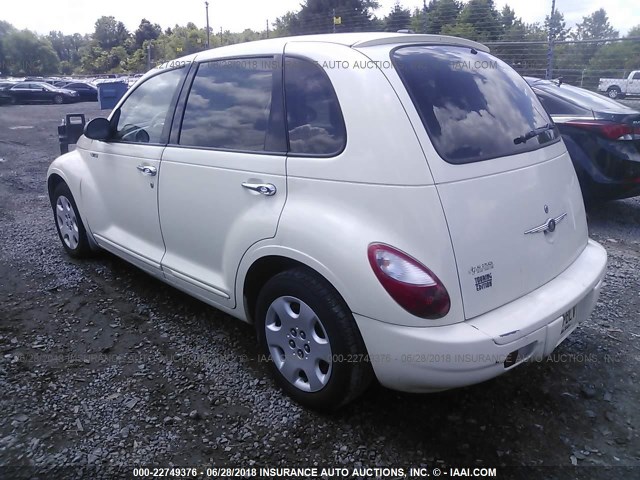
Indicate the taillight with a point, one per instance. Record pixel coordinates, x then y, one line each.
610 130
412 285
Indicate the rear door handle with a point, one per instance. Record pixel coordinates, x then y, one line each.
267 189
147 170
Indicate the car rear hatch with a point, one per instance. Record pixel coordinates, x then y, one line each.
507 186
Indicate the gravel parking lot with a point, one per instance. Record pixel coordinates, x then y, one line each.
102 367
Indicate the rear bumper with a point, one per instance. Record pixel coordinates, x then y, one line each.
426 359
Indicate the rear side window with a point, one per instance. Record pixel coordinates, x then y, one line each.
557 106
472 105
582 98
314 118
229 105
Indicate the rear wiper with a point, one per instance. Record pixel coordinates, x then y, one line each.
533 133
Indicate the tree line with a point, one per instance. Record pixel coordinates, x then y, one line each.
111 48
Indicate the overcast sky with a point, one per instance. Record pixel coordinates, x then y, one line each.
72 16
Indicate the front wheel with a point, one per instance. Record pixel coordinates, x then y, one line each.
68 223
315 350
58 100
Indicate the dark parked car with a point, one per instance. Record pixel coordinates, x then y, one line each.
86 91
601 135
40 92
5 97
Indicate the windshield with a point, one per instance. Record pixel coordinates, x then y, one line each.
47 86
473 106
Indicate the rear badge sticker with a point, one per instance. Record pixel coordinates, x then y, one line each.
484 281
481 268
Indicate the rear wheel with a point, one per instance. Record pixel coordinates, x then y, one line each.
68 223
614 92
314 346
58 99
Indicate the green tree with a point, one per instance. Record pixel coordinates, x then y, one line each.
316 16
399 18
28 54
89 55
441 13
557 25
595 26
464 30
146 31
66 67
485 19
507 18
109 32
5 29
137 61
516 48
418 20
615 59
282 25
182 41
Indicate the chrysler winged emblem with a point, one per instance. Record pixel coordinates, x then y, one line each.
547 227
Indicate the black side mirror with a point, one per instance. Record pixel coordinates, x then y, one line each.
44 89
98 129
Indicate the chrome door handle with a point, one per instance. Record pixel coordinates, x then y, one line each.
264 188
147 170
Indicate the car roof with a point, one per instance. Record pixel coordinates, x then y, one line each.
579 96
353 40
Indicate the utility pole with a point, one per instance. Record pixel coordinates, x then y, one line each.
267 28
148 56
552 35
206 6
221 36
333 20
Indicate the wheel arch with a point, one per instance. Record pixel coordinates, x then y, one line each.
257 270
53 181
55 178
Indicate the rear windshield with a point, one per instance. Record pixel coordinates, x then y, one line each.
584 98
473 106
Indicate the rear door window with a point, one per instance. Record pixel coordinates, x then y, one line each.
314 118
473 106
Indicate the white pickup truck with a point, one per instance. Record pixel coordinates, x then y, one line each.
616 88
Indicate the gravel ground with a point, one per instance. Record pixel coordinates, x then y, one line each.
101 367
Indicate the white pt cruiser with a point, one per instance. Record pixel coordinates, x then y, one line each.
389 205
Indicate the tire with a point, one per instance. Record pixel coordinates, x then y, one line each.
613 92
315 350
58 99
69 225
